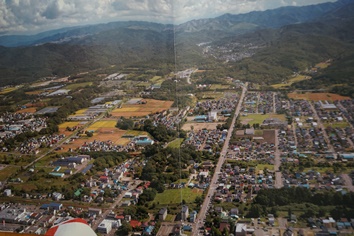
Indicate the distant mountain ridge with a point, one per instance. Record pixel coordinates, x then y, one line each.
228 23
71 50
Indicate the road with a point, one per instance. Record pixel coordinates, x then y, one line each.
277 162
113 205
320 125
213 184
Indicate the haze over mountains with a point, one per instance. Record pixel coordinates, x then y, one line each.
288 38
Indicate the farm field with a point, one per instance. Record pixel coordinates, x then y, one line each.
173 196
9 89
219 86
137 110
102 124
77 85
27 110
259 118
336 125
317 96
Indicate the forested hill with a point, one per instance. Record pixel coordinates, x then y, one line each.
305 39
297 47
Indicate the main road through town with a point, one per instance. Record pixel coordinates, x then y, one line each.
213 183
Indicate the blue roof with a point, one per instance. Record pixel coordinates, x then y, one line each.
149 229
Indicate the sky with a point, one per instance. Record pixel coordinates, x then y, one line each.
33 16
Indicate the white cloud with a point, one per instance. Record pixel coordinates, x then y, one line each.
28 16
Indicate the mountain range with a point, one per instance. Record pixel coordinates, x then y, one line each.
292 38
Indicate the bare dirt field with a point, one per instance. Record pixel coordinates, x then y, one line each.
317 96
200 126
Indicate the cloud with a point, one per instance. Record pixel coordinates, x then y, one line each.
29 16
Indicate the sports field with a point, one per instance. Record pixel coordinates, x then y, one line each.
136 110
317 96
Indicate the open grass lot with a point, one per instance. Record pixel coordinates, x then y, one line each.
295 79
176 143
259 118
7 171
137 110
219 86
157 80
337 124
173 196
317 96
209 95
78 85
262 166
323 65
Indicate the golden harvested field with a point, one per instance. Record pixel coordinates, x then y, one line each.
37 92
80 112
317 96
152 106
69 124
103 124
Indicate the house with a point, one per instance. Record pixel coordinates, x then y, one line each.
162 214
57 196
184 213
241 229
105 227
148 230
52 206
288 232
128 195
213 116
234 212
94 211
7 192
193 216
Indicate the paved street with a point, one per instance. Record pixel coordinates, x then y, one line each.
213 184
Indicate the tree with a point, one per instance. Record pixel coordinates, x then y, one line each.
124 229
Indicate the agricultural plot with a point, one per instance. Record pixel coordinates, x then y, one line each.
9 90
27 110
137 110
259 118
78 85
317 96
176 143
102 124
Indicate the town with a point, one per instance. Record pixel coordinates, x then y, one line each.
211 159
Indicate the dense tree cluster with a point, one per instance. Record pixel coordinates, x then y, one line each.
286 196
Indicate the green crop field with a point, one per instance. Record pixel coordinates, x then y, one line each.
78 85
